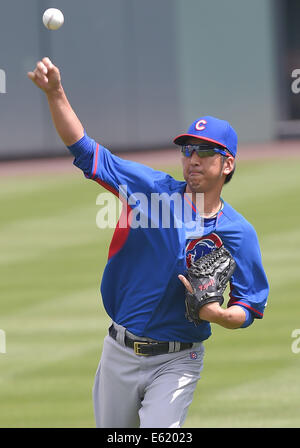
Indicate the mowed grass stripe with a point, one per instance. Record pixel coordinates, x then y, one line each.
268 401
56 325
282 261
259 179
52 357
34 238
59 272
45 197
55 394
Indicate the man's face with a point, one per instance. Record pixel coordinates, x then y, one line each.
204 174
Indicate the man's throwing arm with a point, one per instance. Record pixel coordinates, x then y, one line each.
46 76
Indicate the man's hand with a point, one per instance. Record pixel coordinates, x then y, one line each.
46 76
231 318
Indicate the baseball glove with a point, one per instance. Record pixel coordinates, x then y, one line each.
208 277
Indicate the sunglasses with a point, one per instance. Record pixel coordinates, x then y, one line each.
202 150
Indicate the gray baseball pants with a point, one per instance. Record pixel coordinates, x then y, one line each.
132 391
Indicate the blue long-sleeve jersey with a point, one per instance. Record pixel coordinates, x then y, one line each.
140 286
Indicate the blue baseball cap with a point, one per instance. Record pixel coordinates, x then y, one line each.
211 130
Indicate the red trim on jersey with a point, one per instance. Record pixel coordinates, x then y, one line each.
95 162
123 226
234 301
218 217
189 202
121 231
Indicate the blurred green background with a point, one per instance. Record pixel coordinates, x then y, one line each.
52 258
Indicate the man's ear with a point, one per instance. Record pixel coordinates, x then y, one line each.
228 165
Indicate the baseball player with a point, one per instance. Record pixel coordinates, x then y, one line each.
152 356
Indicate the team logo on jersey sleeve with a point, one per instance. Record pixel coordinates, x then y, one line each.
202 246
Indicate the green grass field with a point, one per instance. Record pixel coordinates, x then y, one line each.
51 260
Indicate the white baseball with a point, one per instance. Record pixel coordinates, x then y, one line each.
53 18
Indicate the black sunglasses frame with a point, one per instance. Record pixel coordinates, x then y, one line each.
202 150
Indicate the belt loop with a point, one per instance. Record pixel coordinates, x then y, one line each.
171 347
176 346
120 334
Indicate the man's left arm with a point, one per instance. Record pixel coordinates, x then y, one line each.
248 288
231 318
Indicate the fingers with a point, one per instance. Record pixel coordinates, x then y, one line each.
186 283
47 63
41 70
39 73
31 76
34 77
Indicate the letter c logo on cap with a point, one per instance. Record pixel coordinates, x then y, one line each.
200 125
